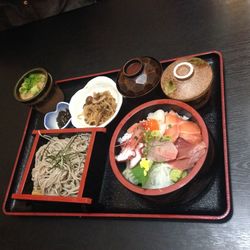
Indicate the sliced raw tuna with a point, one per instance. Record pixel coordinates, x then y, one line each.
188 154
191 138
162 151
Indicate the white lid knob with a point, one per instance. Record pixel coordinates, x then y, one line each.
188 74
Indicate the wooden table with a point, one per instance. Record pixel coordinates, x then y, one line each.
103 37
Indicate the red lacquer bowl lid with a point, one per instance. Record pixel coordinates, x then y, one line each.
139 76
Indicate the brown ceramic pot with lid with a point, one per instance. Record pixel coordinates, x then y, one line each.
47 98
188 79
139 76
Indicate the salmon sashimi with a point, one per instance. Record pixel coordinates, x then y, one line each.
189 127
190 132
173 133
172 118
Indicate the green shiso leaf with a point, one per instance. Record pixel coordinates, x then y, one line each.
138 173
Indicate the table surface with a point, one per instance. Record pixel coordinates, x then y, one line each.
102 37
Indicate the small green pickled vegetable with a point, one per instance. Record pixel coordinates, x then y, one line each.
177 174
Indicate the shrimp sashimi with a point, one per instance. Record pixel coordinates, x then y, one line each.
129 146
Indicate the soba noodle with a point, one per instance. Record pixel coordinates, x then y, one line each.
59 165
99 108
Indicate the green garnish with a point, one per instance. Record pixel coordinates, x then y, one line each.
197 61
177 174
169 87
150 136
165 138
138 173
184 174
63 156
32 84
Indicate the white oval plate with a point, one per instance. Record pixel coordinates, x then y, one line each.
97 84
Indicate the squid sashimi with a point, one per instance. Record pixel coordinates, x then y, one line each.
160 150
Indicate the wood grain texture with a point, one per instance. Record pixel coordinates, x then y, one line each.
103 37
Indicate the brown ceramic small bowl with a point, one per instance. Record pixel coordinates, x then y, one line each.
45 100
139 76
188 187
188 79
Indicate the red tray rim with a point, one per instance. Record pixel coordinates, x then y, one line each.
136 215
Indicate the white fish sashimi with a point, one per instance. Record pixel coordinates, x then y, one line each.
159 176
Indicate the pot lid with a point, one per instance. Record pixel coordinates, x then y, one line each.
187 79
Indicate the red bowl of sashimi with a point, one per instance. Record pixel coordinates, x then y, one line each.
160 149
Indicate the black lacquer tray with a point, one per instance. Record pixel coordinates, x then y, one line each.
110 198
